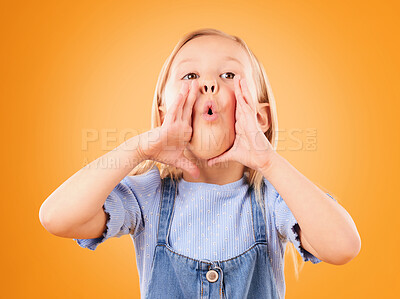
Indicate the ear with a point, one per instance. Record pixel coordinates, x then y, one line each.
263 112
162 110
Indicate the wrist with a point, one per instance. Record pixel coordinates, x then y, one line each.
147 144
271 159
131 150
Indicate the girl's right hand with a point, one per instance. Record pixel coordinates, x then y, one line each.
175 133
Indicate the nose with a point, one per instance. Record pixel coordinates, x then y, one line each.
209 86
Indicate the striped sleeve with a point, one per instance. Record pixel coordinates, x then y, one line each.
288 228
123 216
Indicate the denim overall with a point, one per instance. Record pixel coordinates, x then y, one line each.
173 275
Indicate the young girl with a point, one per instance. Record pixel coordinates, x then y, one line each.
206 199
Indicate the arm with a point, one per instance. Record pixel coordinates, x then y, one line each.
326 228
75 209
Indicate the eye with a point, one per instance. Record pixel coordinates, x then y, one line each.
229 73
189 74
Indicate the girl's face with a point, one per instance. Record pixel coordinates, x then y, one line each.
213 61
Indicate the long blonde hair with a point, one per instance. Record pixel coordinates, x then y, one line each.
264 95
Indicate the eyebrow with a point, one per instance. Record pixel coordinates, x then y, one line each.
226 57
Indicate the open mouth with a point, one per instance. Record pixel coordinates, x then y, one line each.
209 107
209 111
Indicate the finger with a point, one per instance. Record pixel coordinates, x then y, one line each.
245 100
184 91
239 108
246 93
188 108
238 92
172 111
245 107
175 105
240 99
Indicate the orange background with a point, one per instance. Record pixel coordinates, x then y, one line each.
68 67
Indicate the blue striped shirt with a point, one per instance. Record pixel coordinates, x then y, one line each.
210 221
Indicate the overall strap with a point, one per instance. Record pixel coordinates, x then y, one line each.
168 194
257 215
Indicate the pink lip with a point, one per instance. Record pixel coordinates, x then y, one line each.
209 104
209 117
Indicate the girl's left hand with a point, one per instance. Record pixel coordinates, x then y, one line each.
251 148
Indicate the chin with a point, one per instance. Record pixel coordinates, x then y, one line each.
207 143
207 151
203 154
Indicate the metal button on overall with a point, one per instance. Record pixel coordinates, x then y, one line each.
212 276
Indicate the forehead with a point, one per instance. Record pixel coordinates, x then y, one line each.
215 48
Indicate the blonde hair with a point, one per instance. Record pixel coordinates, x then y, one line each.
264 95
